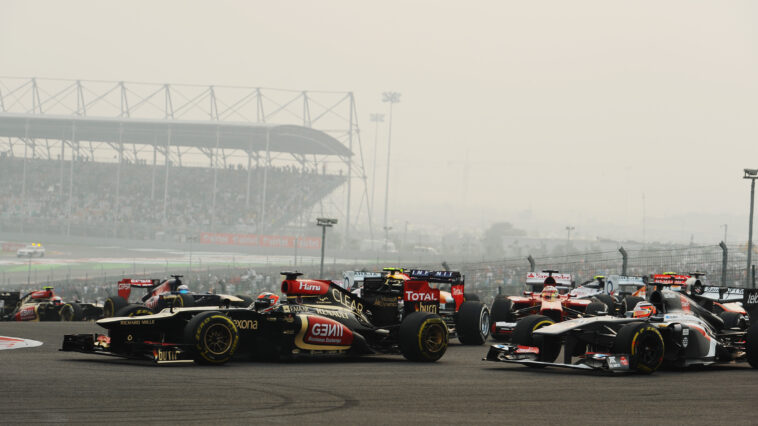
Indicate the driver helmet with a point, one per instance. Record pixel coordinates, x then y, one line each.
549 293
183 288
57 301
644 310
266 300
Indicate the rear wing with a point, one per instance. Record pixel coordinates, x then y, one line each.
540 277
719 294
452 277
125 285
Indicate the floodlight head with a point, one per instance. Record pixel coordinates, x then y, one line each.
392 97
325 221
751 173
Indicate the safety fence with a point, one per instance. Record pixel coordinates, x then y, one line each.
721 264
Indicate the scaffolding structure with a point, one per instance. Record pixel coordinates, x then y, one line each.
180 124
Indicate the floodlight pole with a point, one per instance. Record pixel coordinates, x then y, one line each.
751 174
392 98
324 223
376 118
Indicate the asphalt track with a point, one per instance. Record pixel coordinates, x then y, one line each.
43 385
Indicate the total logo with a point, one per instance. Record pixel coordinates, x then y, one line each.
457 291
420 297
327 330
309 287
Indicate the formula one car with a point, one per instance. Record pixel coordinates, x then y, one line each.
611 291
671 328
546 293
44 305
467 318
318 318
163 294
31 250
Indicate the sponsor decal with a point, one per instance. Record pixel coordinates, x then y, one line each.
423 307
166 355
26 314
137 322
325 331
540 277
246 324
305 287
346 301
419 291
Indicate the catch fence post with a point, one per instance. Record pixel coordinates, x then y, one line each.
724 261
531 263
624 260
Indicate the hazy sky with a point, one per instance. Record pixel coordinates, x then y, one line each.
570 110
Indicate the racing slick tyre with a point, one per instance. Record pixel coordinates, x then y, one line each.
133 310
112 305
596 308
183 300
423 337
550 346
732 320
71 312
644 343
502 309
473 297
472 323
213 337
629 303
607 300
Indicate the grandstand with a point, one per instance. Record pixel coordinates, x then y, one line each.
129 160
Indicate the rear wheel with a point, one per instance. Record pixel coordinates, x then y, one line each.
472 323
471 297
596 308
643 343
133 310
423 337
607 300
71 312
112 305
213 338
549 346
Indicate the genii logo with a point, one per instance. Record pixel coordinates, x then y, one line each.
325 331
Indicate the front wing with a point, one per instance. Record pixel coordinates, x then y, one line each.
529 355
160 353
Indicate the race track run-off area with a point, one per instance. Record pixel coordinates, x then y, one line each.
43 385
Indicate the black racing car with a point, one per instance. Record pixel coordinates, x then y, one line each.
318 318
44 305
670 328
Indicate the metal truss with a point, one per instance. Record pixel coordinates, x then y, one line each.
331 112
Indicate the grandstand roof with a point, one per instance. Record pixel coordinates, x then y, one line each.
198 134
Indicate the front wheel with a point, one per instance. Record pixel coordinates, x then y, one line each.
423 337
213 338
523 334
112 305
472 323
644 343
